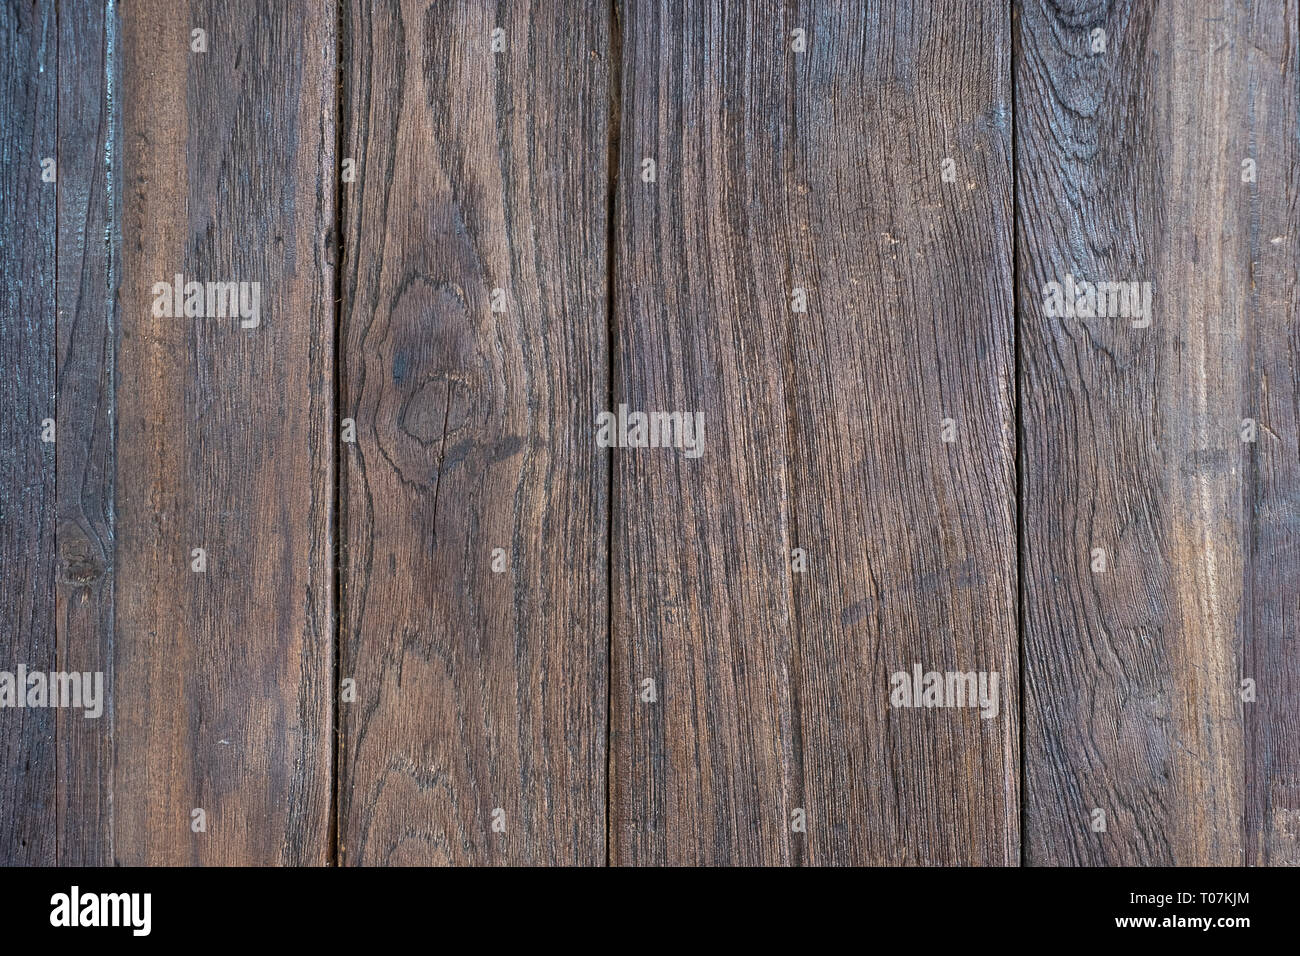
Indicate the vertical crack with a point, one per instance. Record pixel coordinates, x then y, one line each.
54 387
337 544
1019 431
615 66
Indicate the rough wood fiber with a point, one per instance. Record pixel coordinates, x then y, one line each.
1130 168
776 170
224 686
476 690
85 429
1267 43
28 106
820 170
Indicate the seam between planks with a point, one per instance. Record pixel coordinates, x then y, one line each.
615 86
114 244
336 544
54 406
1014 25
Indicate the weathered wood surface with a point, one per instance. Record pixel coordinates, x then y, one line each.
1130 167
820 170
28 105
478 731
87 252
223 680
360 677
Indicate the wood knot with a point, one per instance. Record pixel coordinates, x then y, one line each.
81 561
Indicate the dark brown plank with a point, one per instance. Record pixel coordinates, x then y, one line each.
85 433
1268 41
224 682
28 77
476 690
1129 168
819 170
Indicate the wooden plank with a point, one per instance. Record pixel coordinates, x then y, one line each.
1130 168
476 690
823 171
224 680
1268 44
85 431
28 104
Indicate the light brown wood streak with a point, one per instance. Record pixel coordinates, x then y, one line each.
223 680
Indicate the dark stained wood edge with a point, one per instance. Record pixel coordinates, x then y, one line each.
28 243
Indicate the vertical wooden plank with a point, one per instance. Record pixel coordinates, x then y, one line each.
1130 168
85 429
224 680
477 689
1268 63
28 104
820 171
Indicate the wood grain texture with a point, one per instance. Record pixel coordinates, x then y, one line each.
497 274
1129 167
223 685
1267 50
85 470
819 170
476 690
28 106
